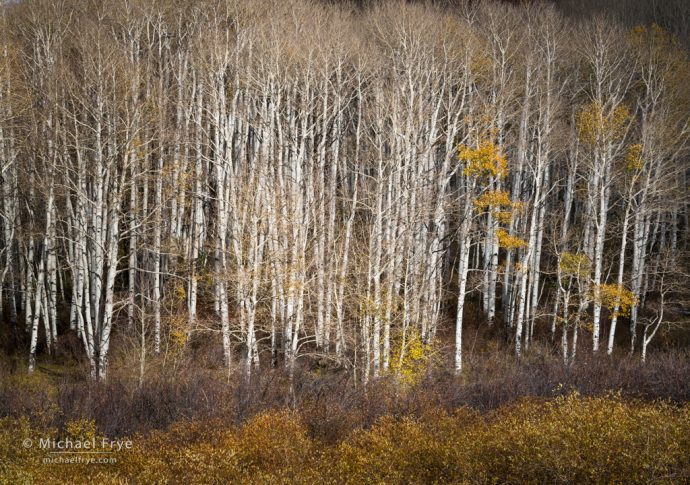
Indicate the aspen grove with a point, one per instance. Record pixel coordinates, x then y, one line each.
299 180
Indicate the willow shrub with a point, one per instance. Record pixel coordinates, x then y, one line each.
564 440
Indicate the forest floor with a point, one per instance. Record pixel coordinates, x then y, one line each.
561 440
503 420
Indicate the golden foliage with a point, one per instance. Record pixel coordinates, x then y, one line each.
483 161
504 217
594 126
180 292
499 203
611 295
633 159
656 44
565 440
572 264
505 240
493 198
83 429
179 334
415 359
481 63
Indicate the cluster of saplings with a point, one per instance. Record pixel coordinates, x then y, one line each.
301 179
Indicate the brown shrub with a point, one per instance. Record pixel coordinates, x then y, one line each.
569 439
